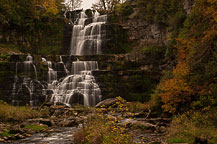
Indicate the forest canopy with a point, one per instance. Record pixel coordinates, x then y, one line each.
34 26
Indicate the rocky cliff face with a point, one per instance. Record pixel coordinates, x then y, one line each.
131 76
139 29
150 33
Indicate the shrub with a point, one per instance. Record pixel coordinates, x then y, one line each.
102 129
135 106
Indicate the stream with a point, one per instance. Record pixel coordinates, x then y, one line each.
62 135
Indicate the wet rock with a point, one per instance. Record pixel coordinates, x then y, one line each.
27 135
11 138
18 136
142 125
47 122
162 129
140 115
68 123
59 103
79 120
15 131
106 103
200 140
2 140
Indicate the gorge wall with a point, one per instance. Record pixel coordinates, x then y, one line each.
131 76
153 22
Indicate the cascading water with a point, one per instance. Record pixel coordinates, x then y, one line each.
87 38
27 65
80 86
24 88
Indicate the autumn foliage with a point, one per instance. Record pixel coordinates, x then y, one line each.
194 80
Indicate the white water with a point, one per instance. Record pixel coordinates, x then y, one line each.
80 85
87 39
25 88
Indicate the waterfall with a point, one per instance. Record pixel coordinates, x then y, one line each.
27 66
87 38
80 85
25 89
67 82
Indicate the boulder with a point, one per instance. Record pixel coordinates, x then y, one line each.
68 123
200 140
142 125
106 103
47 122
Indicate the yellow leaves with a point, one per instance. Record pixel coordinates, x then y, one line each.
182 70
212 1
51 6
106 129
173 92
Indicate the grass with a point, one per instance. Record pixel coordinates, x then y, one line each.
12 113
185 127
36 127
177 140
7 133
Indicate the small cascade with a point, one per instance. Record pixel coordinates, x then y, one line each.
52 74
27 66
61 61
80 66
13 94
25 89
87 38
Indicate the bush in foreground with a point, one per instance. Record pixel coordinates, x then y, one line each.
105 129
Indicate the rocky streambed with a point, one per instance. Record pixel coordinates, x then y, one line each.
64 122
61 135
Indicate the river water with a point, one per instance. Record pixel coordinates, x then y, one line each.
63 135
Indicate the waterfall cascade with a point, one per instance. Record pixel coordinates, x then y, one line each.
26 88
77 85
87 36
80 85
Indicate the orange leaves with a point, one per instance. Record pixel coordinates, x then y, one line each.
195 52
174 92
51 6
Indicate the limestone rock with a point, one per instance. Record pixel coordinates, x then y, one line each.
47 122
68 123
106 103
